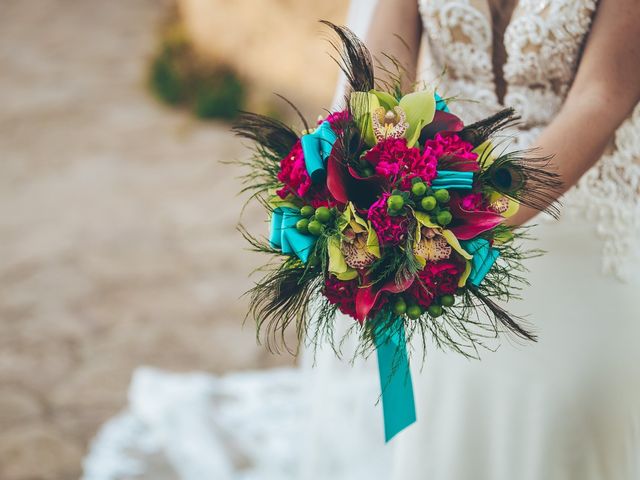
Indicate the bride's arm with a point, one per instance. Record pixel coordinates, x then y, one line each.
393 19
605 91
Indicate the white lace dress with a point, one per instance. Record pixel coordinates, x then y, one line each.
565 408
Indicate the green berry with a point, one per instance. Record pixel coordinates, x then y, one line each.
302 225
367 172
315 228
442 195
395 202
400 307
428 203
444 217
435 310
419 189
414 312
447 300
323 214
307 211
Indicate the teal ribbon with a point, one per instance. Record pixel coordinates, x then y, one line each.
440 103
484 256
317 147
452 179
286 237
398 405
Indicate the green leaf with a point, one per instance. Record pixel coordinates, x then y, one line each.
419 108
386 100
362 104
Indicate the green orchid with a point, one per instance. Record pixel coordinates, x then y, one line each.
289 201
354 247
380 115
423 254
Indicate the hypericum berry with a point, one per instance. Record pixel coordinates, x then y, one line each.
400 307
414 312
428 203
395 202
323 214
315 228
442 195
307 211
435 310
419 189
444 217
302 225
447 300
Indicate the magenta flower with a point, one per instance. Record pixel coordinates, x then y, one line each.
391 230
451 150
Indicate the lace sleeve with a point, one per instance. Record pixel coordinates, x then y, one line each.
609 195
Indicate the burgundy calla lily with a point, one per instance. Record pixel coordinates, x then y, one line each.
367 297
442 122
471 223
346 185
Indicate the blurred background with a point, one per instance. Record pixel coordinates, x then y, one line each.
117 217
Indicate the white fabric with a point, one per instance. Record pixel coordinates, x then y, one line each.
565 408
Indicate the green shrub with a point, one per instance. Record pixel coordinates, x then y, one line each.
179 77
166 80
219 97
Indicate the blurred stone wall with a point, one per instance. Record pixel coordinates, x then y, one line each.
276 45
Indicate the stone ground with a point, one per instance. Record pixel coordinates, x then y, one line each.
117 230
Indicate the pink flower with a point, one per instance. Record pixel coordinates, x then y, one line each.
443 276
338 119
391 230
392 159
454 149
423 166
293 173
342 294
436 279
387 157
472 202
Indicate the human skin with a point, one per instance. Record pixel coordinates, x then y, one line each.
605 90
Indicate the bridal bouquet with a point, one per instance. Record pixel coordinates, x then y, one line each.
391 211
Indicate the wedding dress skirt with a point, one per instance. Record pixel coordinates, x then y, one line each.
567 407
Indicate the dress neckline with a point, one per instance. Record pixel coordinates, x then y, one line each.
498 50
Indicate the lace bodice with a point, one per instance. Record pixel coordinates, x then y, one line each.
543 42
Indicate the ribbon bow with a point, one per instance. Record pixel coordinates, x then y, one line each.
484 256
453 179
286 237
398 405
317 147
440 103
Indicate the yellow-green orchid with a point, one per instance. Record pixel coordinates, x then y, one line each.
290 201
354 248
431 241
379 115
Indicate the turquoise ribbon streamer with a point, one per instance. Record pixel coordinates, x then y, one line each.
484 256
286 237
317 147
398 405
440 103
453 179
